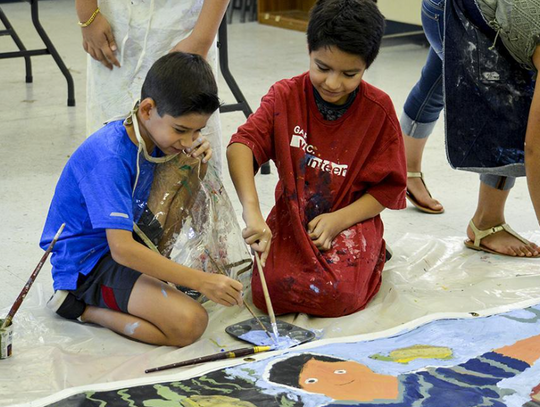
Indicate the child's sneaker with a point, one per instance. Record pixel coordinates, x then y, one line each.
66 305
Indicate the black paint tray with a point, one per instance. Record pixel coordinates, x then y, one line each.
284 329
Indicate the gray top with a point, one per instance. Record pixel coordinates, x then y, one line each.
517 22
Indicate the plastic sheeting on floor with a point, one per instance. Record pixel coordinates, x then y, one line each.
425 276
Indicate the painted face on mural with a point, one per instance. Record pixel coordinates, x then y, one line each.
335 73
347 380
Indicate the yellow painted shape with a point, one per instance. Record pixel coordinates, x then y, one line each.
406 355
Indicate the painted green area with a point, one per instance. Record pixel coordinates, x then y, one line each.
410 353
126 397
89 394
211 388
285 402
211 381
169 398
184 387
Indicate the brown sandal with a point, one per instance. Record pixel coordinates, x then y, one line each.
412 199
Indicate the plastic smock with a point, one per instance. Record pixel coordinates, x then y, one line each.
144 31
188 216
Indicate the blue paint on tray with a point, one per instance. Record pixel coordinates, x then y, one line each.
259 338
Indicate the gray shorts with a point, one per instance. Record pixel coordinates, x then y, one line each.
108 285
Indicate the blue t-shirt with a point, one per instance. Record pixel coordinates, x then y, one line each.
471 384
94 193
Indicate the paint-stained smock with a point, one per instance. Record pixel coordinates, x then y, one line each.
324 166
144 31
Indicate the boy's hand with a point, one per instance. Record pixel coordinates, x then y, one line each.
222 289
323 229
201 147
257 234
99 43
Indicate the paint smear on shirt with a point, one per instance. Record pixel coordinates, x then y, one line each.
131 328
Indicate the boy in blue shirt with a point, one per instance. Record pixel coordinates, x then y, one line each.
101 273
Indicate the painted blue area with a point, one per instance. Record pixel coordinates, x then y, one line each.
314 288
469 339
259 338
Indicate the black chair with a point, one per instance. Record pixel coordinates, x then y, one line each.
241 102
26 54
244 6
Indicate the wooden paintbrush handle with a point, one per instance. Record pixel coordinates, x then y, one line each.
265 290
26 288
211 358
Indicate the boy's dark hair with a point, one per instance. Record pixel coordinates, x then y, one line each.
353 26
287 372
181 83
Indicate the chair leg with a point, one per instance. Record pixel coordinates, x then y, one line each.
13 34
54 53
243 10
230 12
254 13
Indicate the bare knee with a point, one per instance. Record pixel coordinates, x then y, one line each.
189 327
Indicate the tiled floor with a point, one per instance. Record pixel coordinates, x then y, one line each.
38 132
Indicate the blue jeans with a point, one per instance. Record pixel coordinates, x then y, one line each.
425 101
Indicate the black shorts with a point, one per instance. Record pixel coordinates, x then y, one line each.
108 285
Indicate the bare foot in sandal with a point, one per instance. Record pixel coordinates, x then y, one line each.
499 239
419 196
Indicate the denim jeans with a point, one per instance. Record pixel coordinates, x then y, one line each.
425 101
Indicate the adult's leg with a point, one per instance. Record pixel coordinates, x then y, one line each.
421 111
158 314
424 104
489 213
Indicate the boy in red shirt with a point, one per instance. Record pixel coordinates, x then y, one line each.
337 145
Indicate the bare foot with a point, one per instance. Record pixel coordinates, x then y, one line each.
504 243
417 188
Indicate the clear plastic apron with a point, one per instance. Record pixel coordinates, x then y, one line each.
187 215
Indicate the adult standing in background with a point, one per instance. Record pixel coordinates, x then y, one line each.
491 54
125 37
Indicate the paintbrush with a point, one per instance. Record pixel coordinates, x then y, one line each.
259 321
267 298
237 353
221 271
31 280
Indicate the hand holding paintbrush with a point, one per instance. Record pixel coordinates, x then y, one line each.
221 271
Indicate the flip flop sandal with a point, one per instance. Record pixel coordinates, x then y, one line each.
482 234
412 199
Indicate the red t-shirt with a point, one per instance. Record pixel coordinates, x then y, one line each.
324 166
